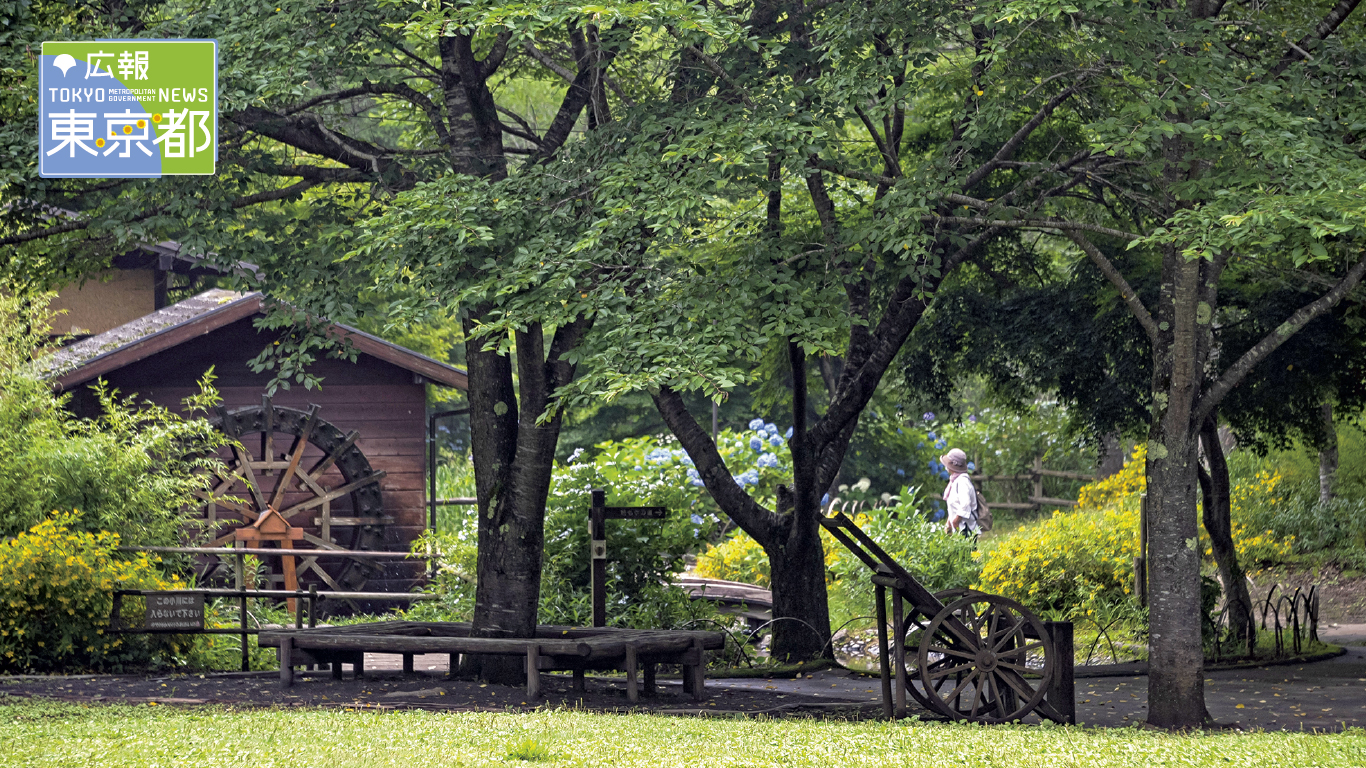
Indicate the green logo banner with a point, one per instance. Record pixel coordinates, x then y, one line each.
118 109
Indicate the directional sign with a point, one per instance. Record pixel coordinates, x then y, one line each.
122 109
634 513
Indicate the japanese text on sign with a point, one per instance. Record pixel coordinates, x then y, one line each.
124 109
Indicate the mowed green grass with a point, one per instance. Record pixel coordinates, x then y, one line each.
95 736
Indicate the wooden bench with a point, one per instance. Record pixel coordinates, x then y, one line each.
577 649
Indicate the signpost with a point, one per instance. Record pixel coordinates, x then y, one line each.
175 610
598 515
123 109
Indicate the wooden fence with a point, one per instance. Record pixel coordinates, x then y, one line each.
1035 476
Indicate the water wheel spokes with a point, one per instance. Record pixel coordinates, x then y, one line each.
320 491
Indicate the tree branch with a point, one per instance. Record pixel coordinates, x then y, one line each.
1007 150
738 505
1127 293
1066 226
1326 27
1259 351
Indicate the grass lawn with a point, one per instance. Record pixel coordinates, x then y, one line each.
58 734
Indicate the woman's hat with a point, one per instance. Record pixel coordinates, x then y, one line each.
955 458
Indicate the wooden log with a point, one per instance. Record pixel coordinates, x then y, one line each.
1010 505
405 644
632 687
285 654
533 672
699 673
1067 475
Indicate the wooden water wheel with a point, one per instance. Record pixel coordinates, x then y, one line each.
298 481
984 658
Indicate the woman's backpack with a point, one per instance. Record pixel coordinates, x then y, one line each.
982 512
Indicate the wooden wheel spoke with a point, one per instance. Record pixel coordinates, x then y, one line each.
331 458
1016 667
1018 683
244 460
977 696
335 493
1021 650
951 652
938 673
296 455
959 689
1016 630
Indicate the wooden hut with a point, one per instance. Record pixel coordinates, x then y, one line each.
368 420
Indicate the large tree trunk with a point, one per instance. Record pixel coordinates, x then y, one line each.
797 567
1217 513
1176 684
1328 455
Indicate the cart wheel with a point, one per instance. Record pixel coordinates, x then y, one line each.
916 624
974 655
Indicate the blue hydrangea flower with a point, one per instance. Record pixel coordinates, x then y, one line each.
928 416
939 515
687 460
775 441
940 444
825 499
756 444
697 482
788 433
748 477
768 461
900 472
920 444
931 435
756 424
972 467
898 431
692 473
639 468
770 428
696 519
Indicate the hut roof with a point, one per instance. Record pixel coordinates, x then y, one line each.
196 316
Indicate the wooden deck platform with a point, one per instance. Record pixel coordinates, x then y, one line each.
577 649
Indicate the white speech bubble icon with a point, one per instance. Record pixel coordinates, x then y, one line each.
64 62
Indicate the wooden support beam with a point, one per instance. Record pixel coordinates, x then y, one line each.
884 662
286 654
632 686
533 672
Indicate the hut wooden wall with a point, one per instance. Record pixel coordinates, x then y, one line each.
380 400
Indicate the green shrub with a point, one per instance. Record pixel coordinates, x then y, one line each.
56 593
134 470
643 555
937 559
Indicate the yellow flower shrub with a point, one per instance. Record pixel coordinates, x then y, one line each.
740 558
1086 553
56 591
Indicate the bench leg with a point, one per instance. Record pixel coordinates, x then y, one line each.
407 663
359 666
650 670
699 673
632 686
336 670
286 653
580 681
533 672
454 664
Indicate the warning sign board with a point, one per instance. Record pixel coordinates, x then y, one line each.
119 109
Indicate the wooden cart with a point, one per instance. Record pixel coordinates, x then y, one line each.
962 654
